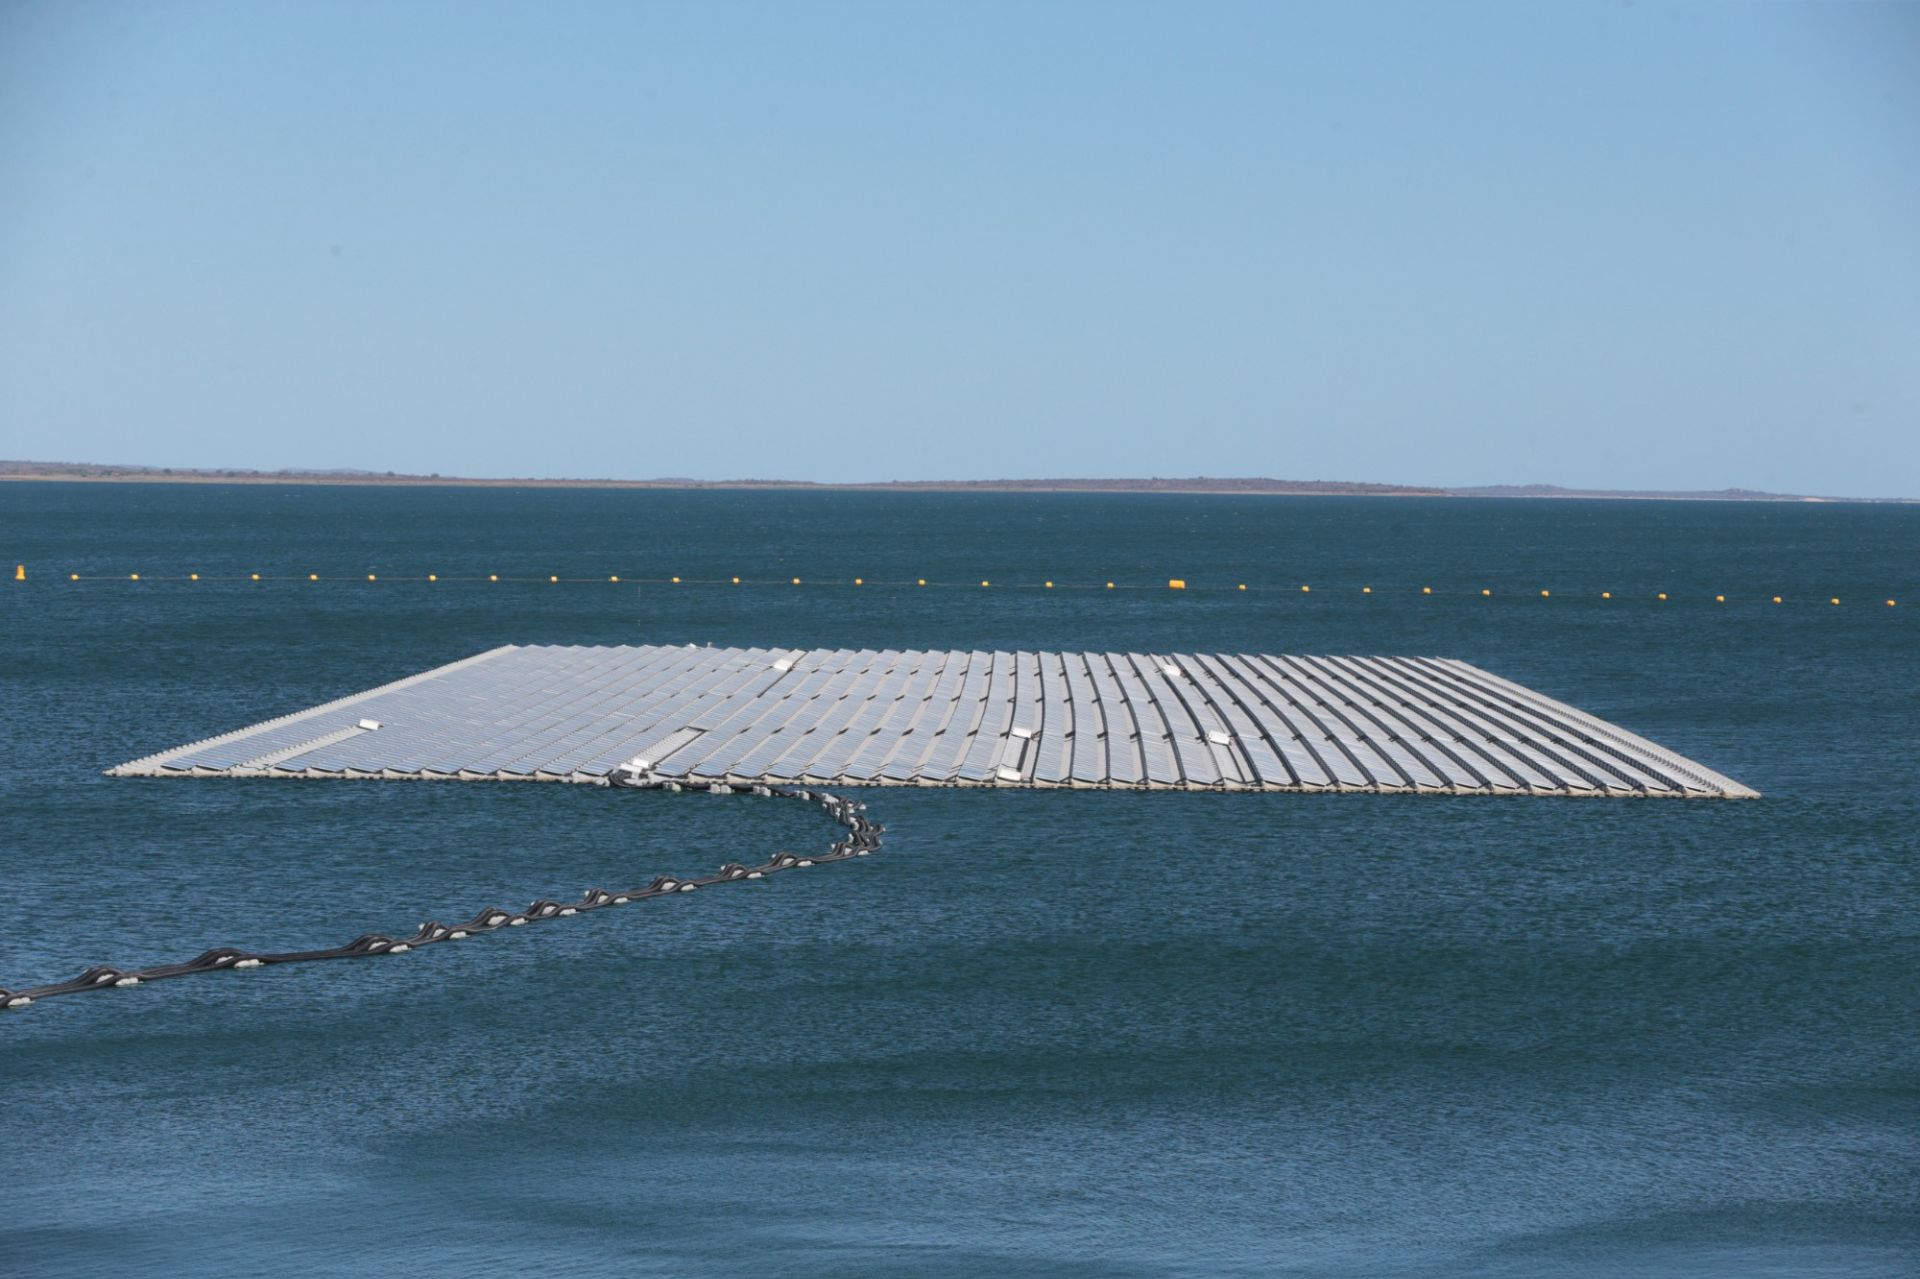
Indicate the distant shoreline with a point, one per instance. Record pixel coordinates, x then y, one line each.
83 473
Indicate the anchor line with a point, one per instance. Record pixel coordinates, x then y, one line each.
861 839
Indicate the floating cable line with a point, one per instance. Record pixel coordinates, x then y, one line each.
862 838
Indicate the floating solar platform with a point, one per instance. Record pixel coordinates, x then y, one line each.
865 717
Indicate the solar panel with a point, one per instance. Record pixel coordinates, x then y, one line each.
1200 721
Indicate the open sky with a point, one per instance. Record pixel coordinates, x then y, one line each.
1656 245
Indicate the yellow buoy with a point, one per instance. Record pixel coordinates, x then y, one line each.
1545 594
1109 585
1366 590
1719 599
20 573
796 581
255 576
1243 586
1606 595
923 581
861 581
133 577
1306 588
433 577
1891 603
1776 599
1049 585
1426 590
1485 592
372 578
1834 600
736 581
552 578
985 583
676 581
73 576
1173 583
614 577
493 577
1662 595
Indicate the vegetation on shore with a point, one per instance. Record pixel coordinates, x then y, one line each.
83 471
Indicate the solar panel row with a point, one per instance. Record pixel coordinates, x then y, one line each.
1188 721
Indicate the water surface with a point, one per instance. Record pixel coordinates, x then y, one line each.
1043 1032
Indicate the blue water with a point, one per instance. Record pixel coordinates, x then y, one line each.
1041 1032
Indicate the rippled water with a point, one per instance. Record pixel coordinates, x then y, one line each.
1042 1032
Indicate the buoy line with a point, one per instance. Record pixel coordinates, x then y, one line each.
1194 586
862 838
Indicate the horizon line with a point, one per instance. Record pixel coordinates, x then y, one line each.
1197 485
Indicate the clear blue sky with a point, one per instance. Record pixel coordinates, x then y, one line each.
1643 245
